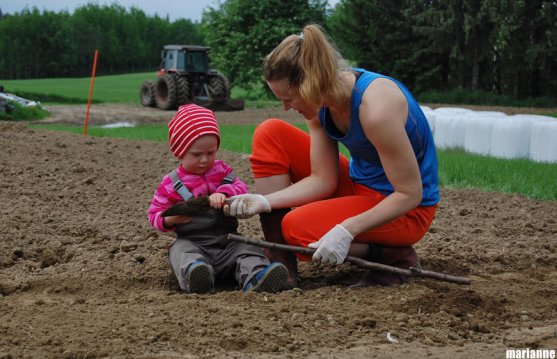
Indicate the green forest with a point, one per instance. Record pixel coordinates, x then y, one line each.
503 47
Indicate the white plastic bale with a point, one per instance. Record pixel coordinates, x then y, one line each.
493 133
543 141
478 134
511 137
440 135
448 127
449 130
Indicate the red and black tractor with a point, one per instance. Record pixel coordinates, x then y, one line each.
184 77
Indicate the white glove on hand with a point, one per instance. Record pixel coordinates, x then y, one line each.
246 205
333 246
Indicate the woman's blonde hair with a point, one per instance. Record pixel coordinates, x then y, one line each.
308 61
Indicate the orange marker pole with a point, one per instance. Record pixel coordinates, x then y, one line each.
90 92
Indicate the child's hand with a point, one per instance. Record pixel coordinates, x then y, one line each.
172 221
217 200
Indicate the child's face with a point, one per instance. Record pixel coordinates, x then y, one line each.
201 155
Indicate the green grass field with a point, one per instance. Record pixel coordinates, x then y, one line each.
117 88
456 168
106 89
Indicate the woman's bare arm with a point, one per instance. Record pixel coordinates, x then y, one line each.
383 115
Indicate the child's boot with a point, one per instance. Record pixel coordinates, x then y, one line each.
199 278
271 279
271 223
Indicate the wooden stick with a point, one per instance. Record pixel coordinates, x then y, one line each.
412 272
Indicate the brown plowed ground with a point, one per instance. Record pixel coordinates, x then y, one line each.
83 275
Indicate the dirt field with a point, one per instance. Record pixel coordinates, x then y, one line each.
83 275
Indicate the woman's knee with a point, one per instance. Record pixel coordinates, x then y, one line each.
268 128
297 229
272 148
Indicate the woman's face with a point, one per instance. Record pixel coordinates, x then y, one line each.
291 98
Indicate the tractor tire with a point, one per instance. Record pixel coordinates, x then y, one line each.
165 92
182 89
219 89
147 94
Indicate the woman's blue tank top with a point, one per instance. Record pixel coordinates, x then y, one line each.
365 166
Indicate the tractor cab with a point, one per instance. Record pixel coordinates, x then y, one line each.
188 59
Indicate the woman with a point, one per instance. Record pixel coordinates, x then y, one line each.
375 205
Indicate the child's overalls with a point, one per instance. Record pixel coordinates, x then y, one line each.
205 238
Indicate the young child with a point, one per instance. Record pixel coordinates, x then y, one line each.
202 251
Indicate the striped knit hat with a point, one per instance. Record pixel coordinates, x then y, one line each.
190 123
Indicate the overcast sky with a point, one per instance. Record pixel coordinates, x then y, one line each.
181 9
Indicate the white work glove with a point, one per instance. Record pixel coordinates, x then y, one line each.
333 246
246 205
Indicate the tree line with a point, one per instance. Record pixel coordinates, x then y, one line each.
35 44
501 46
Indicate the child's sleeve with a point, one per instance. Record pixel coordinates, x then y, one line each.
236 187
164 198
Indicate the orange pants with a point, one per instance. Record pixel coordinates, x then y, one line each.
280 148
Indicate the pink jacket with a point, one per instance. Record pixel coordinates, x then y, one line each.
199 185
